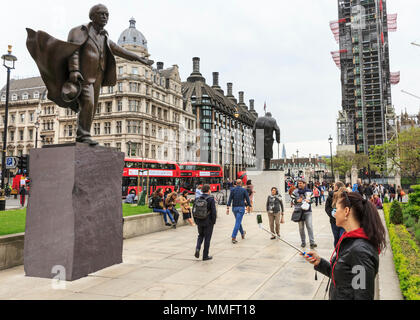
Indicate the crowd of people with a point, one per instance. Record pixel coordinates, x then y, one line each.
358 233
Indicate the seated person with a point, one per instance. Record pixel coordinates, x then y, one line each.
158 206
130 198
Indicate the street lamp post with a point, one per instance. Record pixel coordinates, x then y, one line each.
330 140
9 63
36 128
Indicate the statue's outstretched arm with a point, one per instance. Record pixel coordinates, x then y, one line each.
125 54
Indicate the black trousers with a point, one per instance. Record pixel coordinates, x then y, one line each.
204 233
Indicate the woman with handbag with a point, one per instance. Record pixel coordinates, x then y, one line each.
275 208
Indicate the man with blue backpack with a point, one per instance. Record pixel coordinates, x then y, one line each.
205 214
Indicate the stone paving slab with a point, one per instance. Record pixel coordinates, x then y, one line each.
162 266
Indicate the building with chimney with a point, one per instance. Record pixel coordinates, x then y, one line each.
225 124
144 115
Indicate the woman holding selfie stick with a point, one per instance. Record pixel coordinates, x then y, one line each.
355 261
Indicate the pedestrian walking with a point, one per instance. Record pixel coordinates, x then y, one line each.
324 190
275 209
358 250
250 190
368 191
382 192
157 204
400 193
186 207
330 209
205 215
291 190
392 193
239 197
316 195
22 193
198 192
301 199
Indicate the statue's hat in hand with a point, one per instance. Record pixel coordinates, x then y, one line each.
71 91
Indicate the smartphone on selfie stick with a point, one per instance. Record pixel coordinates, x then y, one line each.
259 221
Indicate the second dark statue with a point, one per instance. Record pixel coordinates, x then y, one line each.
74 71
269 125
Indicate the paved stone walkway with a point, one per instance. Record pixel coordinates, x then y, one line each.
162 266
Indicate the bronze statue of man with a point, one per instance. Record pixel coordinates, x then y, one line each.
269 125
75 71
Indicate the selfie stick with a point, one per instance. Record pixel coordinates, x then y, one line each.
259 221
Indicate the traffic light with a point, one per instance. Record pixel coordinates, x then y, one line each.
24 164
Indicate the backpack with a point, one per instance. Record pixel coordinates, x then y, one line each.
200 209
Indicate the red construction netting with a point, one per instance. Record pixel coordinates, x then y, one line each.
392 22
336 58
335 28
395 77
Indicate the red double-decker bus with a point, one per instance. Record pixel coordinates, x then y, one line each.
193 174
162 174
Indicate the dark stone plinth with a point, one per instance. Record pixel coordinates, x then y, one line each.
74 217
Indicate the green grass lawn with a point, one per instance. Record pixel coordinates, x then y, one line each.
13 221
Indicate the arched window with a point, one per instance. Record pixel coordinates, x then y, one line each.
14 97
36 95
25 96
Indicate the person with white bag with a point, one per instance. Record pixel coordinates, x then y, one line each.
302 199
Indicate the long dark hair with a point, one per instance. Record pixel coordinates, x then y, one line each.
366 213
157 192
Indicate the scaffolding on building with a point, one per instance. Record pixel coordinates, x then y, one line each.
363 58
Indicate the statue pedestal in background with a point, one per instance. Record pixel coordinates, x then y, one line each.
74 223
263 181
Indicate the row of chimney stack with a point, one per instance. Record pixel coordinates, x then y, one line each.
196 71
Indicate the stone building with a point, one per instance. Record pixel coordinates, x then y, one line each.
144 115
225 124
312 168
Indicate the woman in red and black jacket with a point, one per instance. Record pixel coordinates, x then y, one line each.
355 261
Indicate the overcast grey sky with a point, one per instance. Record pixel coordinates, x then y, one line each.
274 50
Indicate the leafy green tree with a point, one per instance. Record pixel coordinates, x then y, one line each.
396 214
344 160
400 153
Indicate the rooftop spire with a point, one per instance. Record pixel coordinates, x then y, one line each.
132 23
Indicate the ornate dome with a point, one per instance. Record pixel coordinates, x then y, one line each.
132 36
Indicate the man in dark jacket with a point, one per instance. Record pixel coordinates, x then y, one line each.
205 226
368 191
337 231
240 199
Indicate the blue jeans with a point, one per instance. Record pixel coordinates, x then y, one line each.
165 212
337 233
239 214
